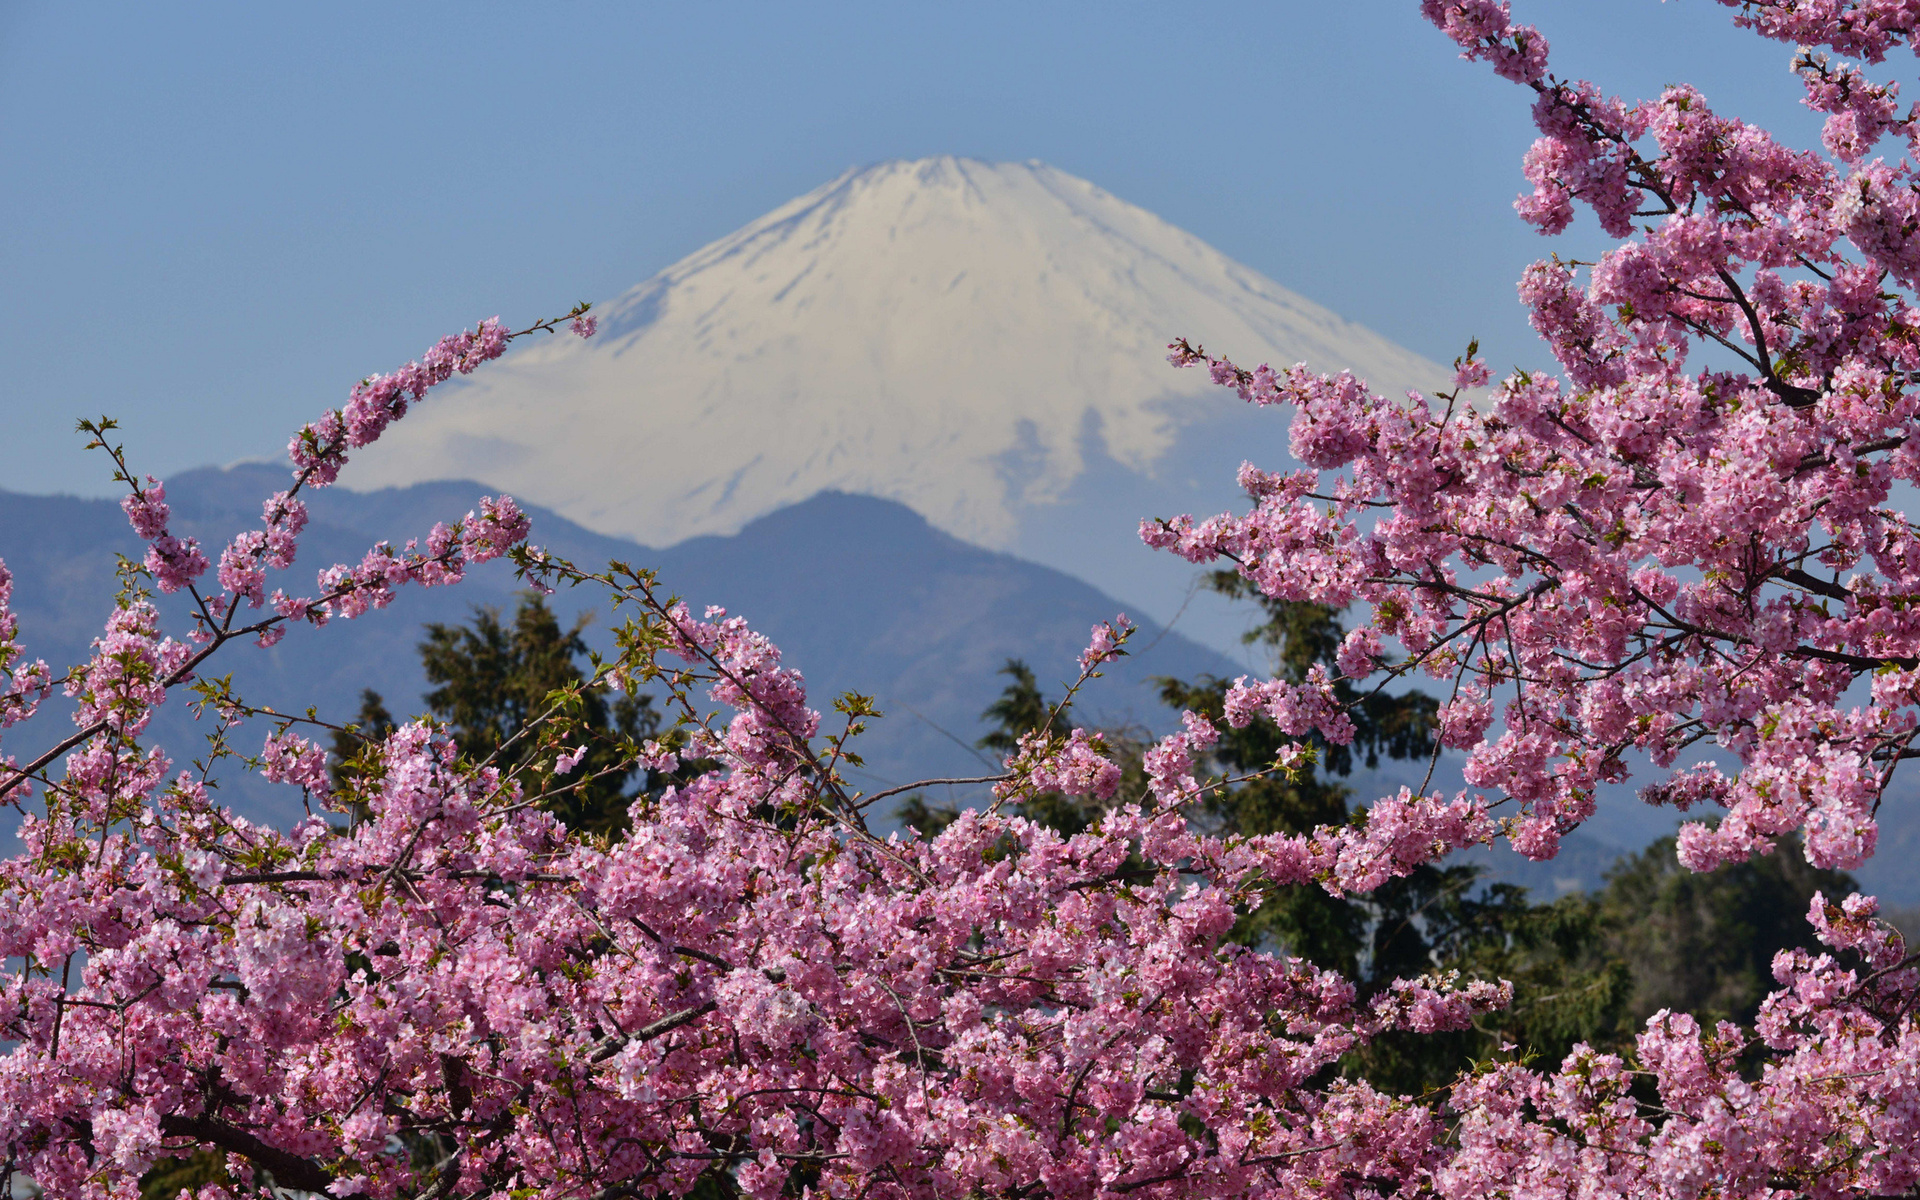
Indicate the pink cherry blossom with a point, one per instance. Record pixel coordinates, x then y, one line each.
1606 571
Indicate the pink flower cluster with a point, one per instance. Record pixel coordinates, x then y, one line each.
22 684
319 450
129 673
1077 765
772 723
1650 557
289 758
1298 709
1857 28
174 562
1844 1067
1106 643
746 975
1608 569
243 564
349 590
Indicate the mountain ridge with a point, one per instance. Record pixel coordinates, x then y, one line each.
860 593
944 332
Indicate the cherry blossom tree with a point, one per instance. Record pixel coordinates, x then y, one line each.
753 992
1644 557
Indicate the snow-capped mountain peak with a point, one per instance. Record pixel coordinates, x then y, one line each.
950 333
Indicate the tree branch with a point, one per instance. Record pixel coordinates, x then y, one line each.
288 1169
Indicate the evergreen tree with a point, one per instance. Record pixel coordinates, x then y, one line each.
1020 710
168 1177
1023 709
1592 968
1704 943
1337 933
350 760
492 678
1438 917
1585 968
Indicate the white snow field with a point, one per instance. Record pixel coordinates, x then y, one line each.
984 342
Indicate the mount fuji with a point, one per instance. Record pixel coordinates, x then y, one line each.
983 342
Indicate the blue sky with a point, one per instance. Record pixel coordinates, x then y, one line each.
214 218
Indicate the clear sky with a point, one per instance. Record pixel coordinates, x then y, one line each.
215 217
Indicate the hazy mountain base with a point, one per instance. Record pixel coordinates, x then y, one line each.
860 593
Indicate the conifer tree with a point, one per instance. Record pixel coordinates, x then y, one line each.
493 681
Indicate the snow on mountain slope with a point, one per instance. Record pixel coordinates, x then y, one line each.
961 336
